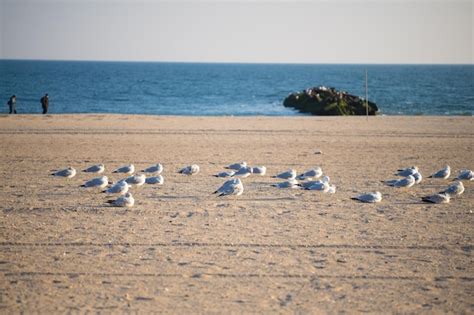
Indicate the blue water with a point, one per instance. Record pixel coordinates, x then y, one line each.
228 89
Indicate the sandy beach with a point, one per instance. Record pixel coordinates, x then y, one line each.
181 249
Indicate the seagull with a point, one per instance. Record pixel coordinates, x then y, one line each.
331 189
243 172
443 173
159 180
236 166
190 170
312 173
290 174
262 170
121 187
437 198
225 174
224 186
123 201
417 177
158 168
231 188
456 188
465 174
322 186
369 197
127 169
136 179
292 183
403 182
308 184
100 182
99 168
69 172
407 171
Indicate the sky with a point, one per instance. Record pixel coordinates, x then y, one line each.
299 31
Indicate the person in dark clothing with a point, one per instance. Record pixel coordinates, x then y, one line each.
12 104
45 103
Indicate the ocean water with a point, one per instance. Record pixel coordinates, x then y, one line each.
228 89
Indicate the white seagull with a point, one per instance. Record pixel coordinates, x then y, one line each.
437 198
405 182
231 187
312 173
158 168
456 188
465 174
137 180
290 174
321 186
69 172
190 170
121 187
225 174
308 184
443 173
417 177
123 201
126 169
292 183
243 172
261 170
100 182
369 197
98 168
407 171
236 166
158 180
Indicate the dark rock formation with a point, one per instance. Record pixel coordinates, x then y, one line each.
328 101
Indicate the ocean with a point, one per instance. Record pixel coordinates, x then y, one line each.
160 88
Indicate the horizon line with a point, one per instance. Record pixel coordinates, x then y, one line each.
236 62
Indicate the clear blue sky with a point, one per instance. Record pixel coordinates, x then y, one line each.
340 31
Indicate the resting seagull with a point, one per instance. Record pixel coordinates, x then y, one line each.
369 197
225 174
292 183
231 187
69 172
312 173
158 168
456 188
405 182
127 169
100 182
99 168
243 172
262 170
407 171
465 174
308 184
236 166
290 174
123 201
121 187
190 170
437 198
158 180
137 180
443 173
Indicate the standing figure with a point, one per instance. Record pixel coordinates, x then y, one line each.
12 104
45 103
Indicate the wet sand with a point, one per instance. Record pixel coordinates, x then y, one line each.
181 249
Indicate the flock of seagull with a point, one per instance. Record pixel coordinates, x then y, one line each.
312 179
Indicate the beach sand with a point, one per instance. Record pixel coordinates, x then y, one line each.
181 249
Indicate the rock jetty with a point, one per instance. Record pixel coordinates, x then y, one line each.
328 101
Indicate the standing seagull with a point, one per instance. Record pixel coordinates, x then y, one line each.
158 168
69 172
370 197
127 169
443 173
456 188
100 182
123 201
437 198
290 174
231 187
190 170
99 168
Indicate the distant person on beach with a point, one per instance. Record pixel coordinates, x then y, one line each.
45 103
12 104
